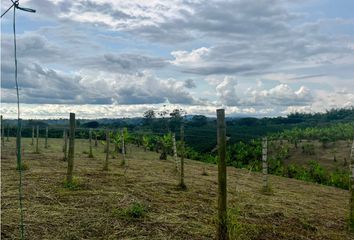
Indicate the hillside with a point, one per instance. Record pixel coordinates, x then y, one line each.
143 202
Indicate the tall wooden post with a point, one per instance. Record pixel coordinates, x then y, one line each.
32 135
46 138
265 164
37 148
222 187
96 144
175 150
90 142
105 167
123 147
351 188
65 147
181 181
2 132
69 176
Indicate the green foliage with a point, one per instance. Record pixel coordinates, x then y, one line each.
166 145
74 185
134 211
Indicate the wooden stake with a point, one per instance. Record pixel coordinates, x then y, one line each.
182 185
351 189
71 153
222 187
37 148
90 142
105 167
265 164
175 150
46 138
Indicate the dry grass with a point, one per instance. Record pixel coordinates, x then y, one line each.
294 210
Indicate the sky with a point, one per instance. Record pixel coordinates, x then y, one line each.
113 59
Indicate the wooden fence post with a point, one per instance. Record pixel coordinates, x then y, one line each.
46 138
175 150
37 148
222 187
90 142
32 135
105 167
351 188
265 164
69 176
182 185
123 147
65 147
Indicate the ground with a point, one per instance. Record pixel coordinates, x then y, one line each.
142 201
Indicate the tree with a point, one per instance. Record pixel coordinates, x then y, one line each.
149 117
166 145
176 117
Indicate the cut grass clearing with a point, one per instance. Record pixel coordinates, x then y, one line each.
144 202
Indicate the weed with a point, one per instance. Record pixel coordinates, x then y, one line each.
134 211
75 184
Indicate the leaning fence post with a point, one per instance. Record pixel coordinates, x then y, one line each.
65 147
46 138
265 164
105 167
69 176
351 188
37 148
175 150
90 142
182 185
222 187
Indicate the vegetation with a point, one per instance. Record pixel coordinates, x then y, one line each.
142 202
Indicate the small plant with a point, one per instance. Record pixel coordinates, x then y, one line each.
84 152
73 185
135 210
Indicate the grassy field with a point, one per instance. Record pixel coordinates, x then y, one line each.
143 202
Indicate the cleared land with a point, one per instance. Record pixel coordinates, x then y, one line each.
101 206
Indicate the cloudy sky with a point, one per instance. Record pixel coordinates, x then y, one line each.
119 58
